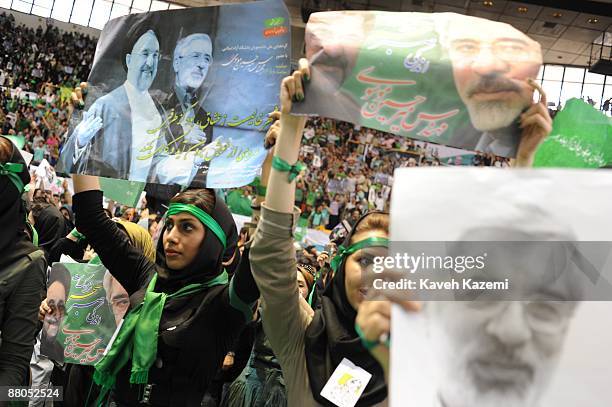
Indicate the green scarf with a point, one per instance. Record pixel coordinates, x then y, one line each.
137 338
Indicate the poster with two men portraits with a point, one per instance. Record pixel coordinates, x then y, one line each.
182 96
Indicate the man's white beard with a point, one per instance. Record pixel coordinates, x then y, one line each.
464 394
494 115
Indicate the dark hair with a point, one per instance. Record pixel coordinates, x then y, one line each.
202 198
40 199
60 274
302 259
245 231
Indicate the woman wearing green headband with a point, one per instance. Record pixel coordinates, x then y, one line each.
184 314
309 348
22 271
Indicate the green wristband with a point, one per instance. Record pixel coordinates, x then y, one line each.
281 165
78 235
368 344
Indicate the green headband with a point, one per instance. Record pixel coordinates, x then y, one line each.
202 216
347 251
12 170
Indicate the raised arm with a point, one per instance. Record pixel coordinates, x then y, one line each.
272 254
126 263
536 124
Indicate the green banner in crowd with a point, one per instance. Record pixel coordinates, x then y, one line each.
88 305
440 77
239 203
581 138
122 191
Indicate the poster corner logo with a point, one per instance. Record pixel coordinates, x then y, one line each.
274 27
274 22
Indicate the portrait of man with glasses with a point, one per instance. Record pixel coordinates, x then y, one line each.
502 348
187 125
491 63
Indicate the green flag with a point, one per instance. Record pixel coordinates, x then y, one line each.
581 138
238 203
122 191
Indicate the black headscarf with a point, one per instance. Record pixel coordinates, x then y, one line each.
208 263
331 337
70 220
14 241
51 226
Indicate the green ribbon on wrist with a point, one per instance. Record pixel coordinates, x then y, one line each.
368 344
78 235
281 165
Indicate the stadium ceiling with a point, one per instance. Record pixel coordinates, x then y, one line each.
565 28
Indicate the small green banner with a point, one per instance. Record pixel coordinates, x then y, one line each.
122 191
581 138
274 22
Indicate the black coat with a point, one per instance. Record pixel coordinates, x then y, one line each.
195 331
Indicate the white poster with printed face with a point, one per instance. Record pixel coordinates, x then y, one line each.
540 340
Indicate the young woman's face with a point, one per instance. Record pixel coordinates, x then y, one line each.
303 287
358 263
153 228
182 239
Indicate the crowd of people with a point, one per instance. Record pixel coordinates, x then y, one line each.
33 58
39 71
208 275
350 171
213 315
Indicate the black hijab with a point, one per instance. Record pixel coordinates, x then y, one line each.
70 220
14 241
331 337
208 263
51 227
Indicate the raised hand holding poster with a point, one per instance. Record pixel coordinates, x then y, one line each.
441 77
